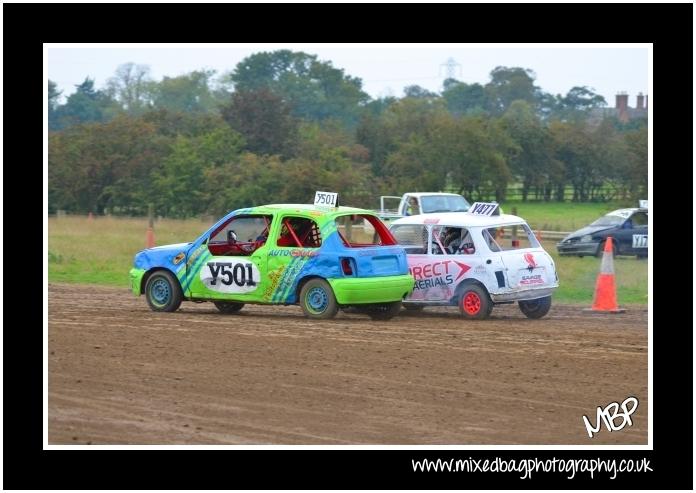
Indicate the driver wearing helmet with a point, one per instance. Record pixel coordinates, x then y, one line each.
457 241
451 239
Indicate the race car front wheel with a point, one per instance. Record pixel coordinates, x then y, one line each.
317 299
228 307
536 308
474 303
163 292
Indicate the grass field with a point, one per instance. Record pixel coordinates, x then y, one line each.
561 216
101 252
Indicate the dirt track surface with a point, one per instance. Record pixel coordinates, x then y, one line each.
122 374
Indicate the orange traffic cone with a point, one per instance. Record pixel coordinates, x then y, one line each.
150 238
605 289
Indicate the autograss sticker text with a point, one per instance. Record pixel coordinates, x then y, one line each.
526 467
293 253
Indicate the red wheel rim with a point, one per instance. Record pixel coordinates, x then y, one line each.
471 303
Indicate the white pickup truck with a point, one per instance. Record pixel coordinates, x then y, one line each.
414 203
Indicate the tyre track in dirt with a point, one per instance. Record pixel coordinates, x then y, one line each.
120 373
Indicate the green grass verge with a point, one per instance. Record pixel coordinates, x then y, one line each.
101 251
561 216
577 277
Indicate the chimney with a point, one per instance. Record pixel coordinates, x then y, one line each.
622 106
639 101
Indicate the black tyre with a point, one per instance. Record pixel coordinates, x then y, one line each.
536 308
474 303
163 292
228 306
384 311
317 299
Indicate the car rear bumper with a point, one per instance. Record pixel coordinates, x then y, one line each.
384 289
577 248
522 295
136 278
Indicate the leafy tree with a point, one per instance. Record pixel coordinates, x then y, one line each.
582 99
186 93
397 124
99 166
575 149
532 162
577 103
181 183
264 119
636 172
465 99
243 181
86 104
454 152
171 123
612 162
53 95
416 91
510 84
377 106
315 90
131 86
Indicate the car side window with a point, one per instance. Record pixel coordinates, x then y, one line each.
413 237
241 235
489 236
450 240
299 232
639 219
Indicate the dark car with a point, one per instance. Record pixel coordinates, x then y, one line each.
627 227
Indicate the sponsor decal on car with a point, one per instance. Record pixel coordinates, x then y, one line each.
435 274
293 253
532 279
531 263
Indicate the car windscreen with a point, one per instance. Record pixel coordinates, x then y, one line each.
443 203
609 220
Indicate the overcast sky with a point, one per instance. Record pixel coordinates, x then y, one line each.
384 69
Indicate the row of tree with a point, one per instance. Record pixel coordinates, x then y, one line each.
284 124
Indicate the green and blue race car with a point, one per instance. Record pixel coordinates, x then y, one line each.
279 254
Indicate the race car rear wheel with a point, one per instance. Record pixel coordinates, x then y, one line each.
163 292
228 306
536 308
317 299
474 302
384 311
